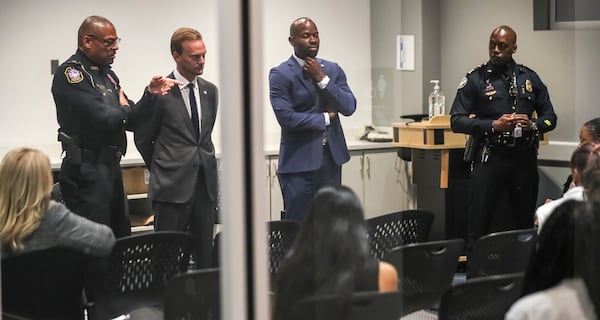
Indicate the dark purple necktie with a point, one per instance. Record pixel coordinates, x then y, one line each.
194 109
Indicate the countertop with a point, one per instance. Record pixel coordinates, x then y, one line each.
133 158
553 151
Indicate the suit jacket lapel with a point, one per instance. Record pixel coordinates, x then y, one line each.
304 79
181 107
205 109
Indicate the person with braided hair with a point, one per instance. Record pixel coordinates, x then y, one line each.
589 133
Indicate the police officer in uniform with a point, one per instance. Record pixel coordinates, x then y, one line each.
93 113
495 104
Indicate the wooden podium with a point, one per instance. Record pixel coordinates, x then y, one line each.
434 134
428 134
439 173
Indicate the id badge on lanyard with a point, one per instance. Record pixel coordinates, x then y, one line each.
517 131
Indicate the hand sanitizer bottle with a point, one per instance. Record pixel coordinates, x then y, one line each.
437 100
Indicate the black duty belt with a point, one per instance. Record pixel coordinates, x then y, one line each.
505 141
102 154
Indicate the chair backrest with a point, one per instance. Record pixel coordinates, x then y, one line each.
137 271
56 194
398 228
280 237
425 271
216 259
193 295
501 253
481 298
44 284
364 305
10 316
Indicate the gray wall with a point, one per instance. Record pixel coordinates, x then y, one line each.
451 38
406 90
36 31
565 59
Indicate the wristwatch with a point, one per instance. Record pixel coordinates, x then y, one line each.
534 126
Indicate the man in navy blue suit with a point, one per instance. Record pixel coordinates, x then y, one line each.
308 95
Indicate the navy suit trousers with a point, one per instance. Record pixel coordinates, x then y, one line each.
298 189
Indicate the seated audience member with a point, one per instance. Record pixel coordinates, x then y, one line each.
579 160
561 281
589 133
330 255
30 221
590 178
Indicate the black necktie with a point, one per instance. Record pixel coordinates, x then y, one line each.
194 109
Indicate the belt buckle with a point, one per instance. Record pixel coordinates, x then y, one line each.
511 141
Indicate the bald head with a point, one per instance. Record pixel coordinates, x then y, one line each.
510 33
304 37
502 45
91 25
299 24
97 39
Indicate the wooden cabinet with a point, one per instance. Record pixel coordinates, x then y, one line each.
135 183
380 179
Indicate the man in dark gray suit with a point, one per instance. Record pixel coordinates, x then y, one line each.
177 147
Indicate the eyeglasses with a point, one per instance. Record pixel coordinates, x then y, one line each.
106 42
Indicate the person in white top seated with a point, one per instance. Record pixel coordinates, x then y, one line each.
579 160
588 133
562 281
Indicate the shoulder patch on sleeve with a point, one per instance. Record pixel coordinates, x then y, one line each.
463 83
526 68
73 75
476 68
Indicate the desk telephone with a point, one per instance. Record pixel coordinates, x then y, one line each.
374 135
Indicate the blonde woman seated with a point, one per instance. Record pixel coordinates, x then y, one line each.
331 255
30 221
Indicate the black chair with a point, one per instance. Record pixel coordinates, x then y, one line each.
280 238
425 271
44 284
10 316
501 253
193 295
56 194
364 305
481 298
216 259
132 279
395 229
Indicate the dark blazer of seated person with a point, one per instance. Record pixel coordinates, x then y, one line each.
562 279
30 221
330 255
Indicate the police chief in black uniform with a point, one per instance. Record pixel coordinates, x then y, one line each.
93 113
495 104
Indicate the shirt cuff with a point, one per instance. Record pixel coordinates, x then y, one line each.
327 121
323 83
